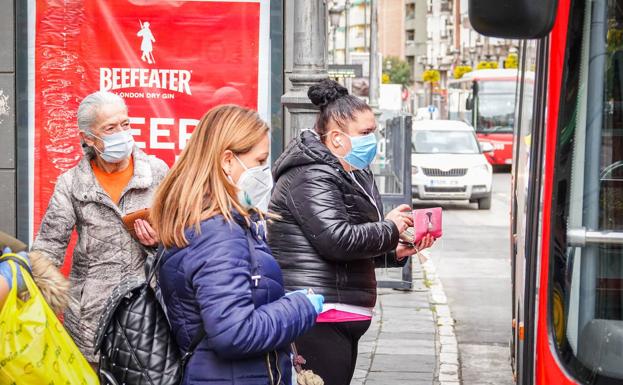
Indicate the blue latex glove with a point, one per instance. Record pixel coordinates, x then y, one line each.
7 274
317 300
302 291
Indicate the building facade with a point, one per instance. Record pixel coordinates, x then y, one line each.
11 126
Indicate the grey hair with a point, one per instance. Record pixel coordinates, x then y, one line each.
87 111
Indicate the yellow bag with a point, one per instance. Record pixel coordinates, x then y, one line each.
35 348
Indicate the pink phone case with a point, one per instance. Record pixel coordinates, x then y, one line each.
427 221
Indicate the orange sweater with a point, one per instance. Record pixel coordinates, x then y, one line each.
114 183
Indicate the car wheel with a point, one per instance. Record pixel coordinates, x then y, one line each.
484 203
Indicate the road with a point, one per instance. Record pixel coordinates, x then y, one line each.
472 261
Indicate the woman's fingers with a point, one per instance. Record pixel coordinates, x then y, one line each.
425 242
403 208
409 219
143 233
138 230
150 230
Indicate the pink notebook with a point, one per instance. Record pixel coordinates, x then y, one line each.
427 221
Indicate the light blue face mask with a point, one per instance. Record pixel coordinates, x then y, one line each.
362 151
117 146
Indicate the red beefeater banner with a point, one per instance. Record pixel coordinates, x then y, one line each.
170 60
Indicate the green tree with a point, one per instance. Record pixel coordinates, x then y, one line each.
398 71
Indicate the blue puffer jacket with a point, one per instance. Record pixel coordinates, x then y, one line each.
249 324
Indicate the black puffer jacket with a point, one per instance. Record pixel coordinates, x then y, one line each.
329 232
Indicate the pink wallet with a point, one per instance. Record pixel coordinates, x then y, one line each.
427 221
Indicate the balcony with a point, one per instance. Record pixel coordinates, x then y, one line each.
446 7
410 49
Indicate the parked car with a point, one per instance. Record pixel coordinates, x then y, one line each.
447 163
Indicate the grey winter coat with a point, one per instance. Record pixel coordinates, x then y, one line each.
105 252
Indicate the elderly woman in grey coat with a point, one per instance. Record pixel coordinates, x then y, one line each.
114 178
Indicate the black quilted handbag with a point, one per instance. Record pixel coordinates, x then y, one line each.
134 337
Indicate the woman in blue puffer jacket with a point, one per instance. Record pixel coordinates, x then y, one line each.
218 274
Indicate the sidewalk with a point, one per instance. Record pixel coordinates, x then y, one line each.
403 344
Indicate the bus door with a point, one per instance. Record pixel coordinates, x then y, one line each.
586 252
527 165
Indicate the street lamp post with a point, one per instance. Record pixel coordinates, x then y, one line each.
374 59
347 33
335 13
309 66
472 57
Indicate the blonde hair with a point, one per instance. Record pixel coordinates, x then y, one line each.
196 187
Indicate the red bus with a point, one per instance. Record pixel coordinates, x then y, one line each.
485 99
567 192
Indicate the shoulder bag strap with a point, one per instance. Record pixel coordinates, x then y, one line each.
18 260
154 267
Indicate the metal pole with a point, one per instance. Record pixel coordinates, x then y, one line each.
365 26
374 59
595 94
309 64
347 33
430 104
334 50
457 30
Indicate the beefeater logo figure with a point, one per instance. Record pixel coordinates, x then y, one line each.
146 44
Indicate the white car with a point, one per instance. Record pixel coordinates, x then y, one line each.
447 163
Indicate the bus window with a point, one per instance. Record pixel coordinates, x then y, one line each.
586 292
496 106
456 102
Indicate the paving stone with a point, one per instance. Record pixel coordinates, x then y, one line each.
398 335
438 297
447 340
359 373
401 382
399 378
446 331
442 311
363 363
445 321
448 377
449 348
449 369
424 363
404 343
449 358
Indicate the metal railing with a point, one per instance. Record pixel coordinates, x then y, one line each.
393 176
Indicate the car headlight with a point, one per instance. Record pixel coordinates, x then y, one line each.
415 170
481 167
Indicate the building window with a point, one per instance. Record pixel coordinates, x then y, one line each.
410 12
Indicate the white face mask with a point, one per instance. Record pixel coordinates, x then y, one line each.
117 146
255 185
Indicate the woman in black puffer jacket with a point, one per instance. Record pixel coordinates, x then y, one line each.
330 231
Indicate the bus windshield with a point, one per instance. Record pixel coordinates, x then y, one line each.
496 107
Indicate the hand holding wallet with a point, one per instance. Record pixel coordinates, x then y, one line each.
425 221
130 218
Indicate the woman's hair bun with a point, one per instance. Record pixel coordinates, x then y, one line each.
326 92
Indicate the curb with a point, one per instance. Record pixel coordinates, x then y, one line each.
448 369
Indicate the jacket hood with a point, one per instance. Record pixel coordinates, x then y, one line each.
304 150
